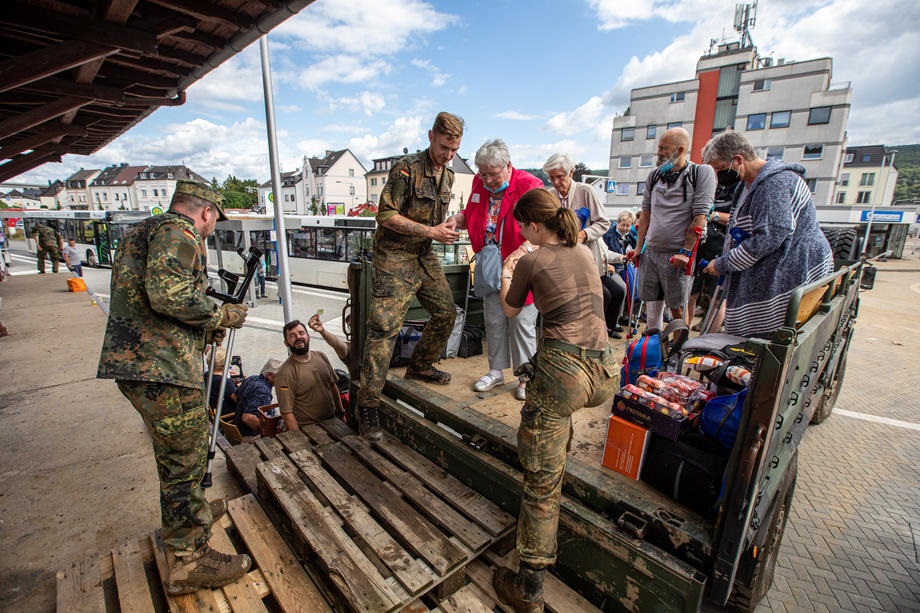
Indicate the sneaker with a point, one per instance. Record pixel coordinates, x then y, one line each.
205 568
369 423
487 382
521 392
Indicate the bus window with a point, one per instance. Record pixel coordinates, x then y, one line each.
302 244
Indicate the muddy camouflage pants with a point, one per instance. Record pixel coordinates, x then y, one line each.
386 314
562 384
178 424
53 254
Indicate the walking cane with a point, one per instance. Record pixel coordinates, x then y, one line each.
251 263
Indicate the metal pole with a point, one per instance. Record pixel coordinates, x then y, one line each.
865 244
284 278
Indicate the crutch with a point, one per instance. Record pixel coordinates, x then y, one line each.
251 263
718 295
632 326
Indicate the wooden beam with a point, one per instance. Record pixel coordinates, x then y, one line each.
30 119
192 59
140 77
63 27
25 163
47 134
63 87
206 11
42 63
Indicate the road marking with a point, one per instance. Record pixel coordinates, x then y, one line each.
879 420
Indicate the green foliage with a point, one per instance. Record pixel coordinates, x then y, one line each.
239 193
237 200
907 160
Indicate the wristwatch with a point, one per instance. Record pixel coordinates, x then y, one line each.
685 252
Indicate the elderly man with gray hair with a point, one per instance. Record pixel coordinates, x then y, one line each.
255 392
775 242
487 218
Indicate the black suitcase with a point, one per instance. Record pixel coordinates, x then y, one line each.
689 470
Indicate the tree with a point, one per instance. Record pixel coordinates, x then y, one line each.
580 171
239 193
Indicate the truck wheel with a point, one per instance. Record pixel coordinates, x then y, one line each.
827 398
755 574
91 259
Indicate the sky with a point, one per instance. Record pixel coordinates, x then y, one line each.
545 76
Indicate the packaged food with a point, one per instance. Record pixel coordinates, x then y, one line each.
739 375
704 363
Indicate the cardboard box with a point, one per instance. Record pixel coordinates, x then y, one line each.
625 448
658 422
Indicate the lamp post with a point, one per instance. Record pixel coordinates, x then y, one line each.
865 244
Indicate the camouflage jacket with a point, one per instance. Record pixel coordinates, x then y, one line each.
412 191
46 237
159 312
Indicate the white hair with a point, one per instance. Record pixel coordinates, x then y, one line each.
561 161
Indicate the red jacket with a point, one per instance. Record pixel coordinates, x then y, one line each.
507 229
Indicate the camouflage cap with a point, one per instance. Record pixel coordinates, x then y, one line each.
205 192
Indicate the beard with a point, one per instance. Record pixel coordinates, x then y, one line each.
300 349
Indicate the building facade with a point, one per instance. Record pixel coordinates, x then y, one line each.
460 191
790 111
867 178
334 185
113 188
75 194
154 186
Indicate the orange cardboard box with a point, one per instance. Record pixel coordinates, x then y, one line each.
625 448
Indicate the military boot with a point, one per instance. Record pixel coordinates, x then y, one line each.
369 423
205 568
523 590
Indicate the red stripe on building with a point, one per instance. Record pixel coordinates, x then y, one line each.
705 112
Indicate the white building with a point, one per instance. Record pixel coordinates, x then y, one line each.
75 194
113 188
155 185
868 177
789 110
334 185
460 191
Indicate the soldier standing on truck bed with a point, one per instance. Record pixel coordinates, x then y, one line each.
48 241
573 368
411 214
159 321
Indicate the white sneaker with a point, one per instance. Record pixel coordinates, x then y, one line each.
487 382
521 392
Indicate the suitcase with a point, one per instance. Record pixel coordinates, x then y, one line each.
690 470
471 341
76 284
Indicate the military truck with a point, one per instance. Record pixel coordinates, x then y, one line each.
622 543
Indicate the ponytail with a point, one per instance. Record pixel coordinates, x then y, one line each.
542 206
567 226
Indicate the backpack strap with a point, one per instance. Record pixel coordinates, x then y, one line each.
675 325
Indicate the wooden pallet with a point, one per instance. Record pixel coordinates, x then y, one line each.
130 577
379 524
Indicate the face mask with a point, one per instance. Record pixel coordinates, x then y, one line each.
727 176
669 163
501 188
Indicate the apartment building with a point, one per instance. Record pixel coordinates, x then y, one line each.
790 111
75 194
113 188
460 192
334 185
867 178
154 186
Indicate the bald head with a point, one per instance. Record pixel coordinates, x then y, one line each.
674 146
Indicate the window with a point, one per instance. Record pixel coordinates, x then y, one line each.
622 189
819 114
812 184
863 197
762 85
143 193
650 131
351 190
813 152
678 96
640 188
757 121
627 134
646 160
867 157
154 193
626 162
780 119
775 153
848 158
351 172
373 182
675 124
841 197
867 179
844 179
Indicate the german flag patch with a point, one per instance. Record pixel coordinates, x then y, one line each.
404 172
190 234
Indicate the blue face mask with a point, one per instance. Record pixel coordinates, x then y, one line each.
500 188
669 164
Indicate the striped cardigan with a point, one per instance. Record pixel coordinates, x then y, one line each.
784 249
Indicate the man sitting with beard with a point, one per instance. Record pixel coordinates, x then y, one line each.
306 383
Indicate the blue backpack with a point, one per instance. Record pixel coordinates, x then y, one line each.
648 354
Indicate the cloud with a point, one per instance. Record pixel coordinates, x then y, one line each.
404 132
516 116
368 103
237 79
438 78
342 69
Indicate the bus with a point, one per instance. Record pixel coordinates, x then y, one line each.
96 233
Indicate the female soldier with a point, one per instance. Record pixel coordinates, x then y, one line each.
573 368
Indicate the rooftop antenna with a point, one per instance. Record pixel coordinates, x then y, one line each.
745 18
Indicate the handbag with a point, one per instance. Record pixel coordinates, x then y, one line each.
487 277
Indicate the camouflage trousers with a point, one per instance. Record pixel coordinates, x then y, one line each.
386 314
562 384
53 254
178 424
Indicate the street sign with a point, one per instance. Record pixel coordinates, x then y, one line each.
156 210
882 216
611 186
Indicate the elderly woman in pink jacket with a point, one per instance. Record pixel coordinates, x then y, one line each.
487 218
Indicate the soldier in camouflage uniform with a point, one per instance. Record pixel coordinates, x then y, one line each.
48 241
411 214
573 368
159 321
